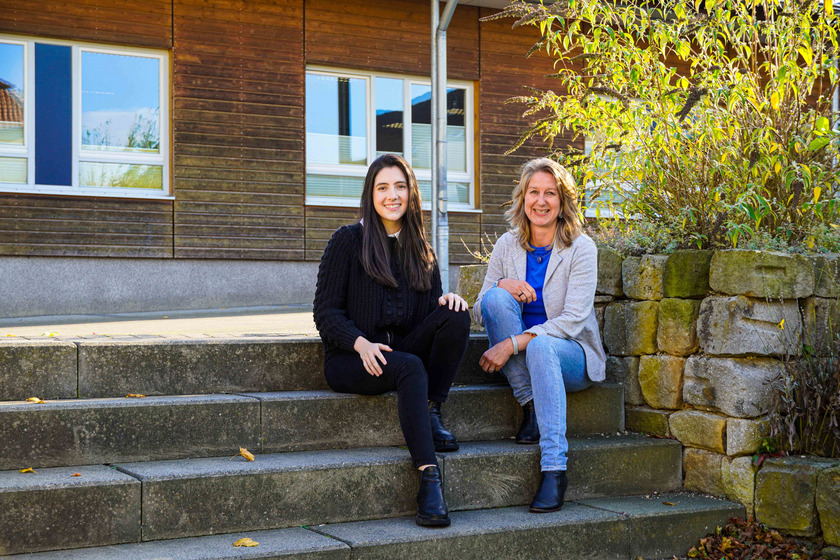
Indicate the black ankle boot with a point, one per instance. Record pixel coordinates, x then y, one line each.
529 431
443 438
550 495
431 506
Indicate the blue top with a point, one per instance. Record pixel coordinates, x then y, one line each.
534 313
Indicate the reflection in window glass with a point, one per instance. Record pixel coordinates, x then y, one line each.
389 116
120 175
11 94
455 192
120 103
334 185
12 170
336 120
421 128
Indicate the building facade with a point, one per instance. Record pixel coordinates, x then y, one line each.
182 133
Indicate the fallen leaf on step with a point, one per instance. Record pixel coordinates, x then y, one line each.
135 396
245 453
29 470
669 503
76 474
35 400
49 334
10 335
246 541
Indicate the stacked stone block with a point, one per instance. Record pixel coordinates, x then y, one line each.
697 338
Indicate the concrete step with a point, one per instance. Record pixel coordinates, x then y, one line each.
96 431
68 508
93 368
197 497
617 528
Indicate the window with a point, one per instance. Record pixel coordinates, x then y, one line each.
352 118
83 120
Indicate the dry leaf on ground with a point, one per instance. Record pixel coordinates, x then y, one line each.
245 453
76 474
246 542
29 470
135 396
35 400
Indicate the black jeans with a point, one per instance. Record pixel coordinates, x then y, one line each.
420 368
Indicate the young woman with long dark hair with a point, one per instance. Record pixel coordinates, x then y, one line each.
385 324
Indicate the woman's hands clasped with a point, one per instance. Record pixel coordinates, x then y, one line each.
371 354
519 289
455 302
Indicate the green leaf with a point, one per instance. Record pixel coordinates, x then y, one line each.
822 125
818 143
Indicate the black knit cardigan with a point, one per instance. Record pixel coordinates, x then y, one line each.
350 304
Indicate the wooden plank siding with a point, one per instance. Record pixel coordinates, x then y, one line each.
42 225
392 37
238 118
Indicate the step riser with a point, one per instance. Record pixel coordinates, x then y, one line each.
278 495
78 432
93 369
63 434
489 476
272 493
100 507
29 369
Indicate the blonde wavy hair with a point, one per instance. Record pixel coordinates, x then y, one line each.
569 226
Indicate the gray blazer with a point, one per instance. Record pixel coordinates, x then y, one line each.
568 293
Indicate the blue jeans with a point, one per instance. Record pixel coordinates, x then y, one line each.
549 368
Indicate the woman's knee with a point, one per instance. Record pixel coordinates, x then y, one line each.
497 300
459 319
408 369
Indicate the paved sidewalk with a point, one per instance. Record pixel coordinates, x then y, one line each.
281 320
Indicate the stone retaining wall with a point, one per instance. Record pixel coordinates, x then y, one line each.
696 337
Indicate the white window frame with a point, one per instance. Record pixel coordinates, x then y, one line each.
78 155
350 170
24 151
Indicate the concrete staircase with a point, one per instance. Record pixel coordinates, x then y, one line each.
160 477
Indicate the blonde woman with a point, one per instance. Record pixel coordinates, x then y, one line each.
537 303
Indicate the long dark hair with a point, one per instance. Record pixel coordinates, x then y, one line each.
413 250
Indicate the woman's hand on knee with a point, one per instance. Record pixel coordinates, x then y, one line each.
519 289
371 354
495 358
454 301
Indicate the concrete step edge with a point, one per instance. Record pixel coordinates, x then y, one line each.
622 527
92 431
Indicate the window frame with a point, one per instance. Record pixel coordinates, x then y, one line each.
24 150
350 170
78 155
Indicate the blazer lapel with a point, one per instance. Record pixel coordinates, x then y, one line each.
520 260
553 262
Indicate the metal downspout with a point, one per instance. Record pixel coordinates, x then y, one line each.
440 219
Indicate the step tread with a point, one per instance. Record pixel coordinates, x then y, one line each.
597 528
295 541
333 458
58 478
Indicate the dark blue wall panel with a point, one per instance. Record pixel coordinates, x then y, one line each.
53 115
